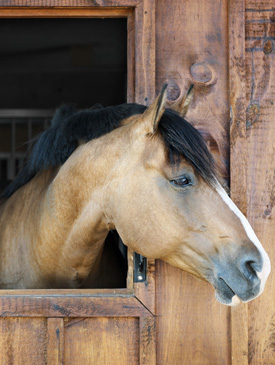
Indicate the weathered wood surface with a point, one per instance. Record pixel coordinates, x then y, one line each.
55 344
192 327
70 306
30 12
260 88
102 340
192 47
69 3
86 341
238 157
145 62
252 165
76 330
23 340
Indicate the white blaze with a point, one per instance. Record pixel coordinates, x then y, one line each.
263 275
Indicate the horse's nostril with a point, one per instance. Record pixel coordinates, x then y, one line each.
250 269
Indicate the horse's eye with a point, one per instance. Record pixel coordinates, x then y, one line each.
181 182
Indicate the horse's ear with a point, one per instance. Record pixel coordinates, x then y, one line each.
181 106
154 112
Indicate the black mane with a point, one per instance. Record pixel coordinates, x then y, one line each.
69 126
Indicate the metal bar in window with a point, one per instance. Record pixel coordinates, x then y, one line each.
26 113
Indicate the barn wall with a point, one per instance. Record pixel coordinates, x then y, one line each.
194 41
258 84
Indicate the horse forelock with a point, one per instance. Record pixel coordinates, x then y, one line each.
183 140
69 126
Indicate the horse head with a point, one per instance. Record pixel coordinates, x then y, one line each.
167 203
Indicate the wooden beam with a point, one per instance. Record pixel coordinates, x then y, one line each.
24 12
69 3
71 306
145 52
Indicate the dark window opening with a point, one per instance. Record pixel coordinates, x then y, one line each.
45 63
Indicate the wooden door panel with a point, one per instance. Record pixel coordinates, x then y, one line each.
23 340
86 341
75 329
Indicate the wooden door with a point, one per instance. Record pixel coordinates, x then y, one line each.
75 327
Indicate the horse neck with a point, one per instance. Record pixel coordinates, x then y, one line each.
73 220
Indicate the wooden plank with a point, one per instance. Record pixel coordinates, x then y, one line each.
147 339
191 326
131 58
67 292
238 156
238 147
192 47
55 346
101 341
64 12
239 335
69 3
260 5
260 84
23 341
145 52
70 306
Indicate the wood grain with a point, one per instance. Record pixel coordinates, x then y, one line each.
238 156
102 341
260 84
145 49
70 306
22 12
192 327
192 47
23 340
69 3
238 105
55 345
131 66
147 353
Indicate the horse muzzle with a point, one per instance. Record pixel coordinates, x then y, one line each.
240 280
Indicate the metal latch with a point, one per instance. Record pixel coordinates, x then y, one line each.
140 268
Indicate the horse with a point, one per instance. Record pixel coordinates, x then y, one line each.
142 171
